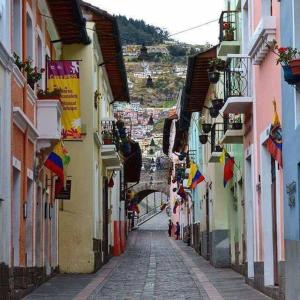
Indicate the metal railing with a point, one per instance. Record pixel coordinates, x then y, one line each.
217 133
147 216
233 124
228 26
237 81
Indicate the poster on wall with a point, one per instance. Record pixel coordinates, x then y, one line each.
64 75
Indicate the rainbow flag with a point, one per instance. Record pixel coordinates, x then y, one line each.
197 179
55 163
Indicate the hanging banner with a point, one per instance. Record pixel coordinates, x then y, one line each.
64 75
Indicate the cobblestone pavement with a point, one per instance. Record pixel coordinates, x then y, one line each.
153 267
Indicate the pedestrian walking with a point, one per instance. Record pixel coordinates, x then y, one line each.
170 227
177 232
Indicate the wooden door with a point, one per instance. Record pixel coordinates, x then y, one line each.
105 220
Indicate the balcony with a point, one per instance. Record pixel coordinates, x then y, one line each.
217 134
48 122
229 39
263 35
233 131
237 85
108 142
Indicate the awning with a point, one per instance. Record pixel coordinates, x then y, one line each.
185 115
133 163
166 135
68 20
111 48
197 83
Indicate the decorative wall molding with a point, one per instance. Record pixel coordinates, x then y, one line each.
19 77
23 123
263 35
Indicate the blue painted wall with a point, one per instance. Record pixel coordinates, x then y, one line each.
194 144
291 131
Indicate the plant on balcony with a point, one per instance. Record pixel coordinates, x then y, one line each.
217 103
215 66
107 137
33 73
214 112
203 138
289 58
46 94
229 34
237 123
206 126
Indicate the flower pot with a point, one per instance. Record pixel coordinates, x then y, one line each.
206 127
217 103
107 141
237 126
229 36
289 77
295 66
213 76
218 148
31 83
203 138
214 112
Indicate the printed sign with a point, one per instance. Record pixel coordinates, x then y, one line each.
64 75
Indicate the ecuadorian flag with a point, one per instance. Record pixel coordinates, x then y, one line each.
197 179
55 164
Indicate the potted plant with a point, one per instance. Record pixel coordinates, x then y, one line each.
33 74
203 138
229 34
218 148
214 112
217 103
107 137
289 58
206 127
237 123
46 94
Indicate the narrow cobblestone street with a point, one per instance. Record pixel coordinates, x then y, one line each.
153 267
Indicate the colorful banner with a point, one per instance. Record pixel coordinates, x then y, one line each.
64 75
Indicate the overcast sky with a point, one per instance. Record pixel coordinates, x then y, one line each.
172 15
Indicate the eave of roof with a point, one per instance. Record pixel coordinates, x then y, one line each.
197 83
109 40
69 22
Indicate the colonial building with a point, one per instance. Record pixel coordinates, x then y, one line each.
92 222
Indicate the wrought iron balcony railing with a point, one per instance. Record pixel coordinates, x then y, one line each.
108 132
233 124
217 133
237 76
228 26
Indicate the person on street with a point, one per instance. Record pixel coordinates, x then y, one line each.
170 227
177 232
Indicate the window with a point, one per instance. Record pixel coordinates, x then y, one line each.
17 27
266 8
29 37
40 58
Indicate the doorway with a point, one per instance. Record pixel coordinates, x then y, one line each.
207 224
105 221
274 220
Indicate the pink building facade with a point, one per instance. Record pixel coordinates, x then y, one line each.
263 176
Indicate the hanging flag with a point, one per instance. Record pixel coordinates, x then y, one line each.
228 169
111 182
274 141
64 75
55 164
175 207
181 192
193 170
198 178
